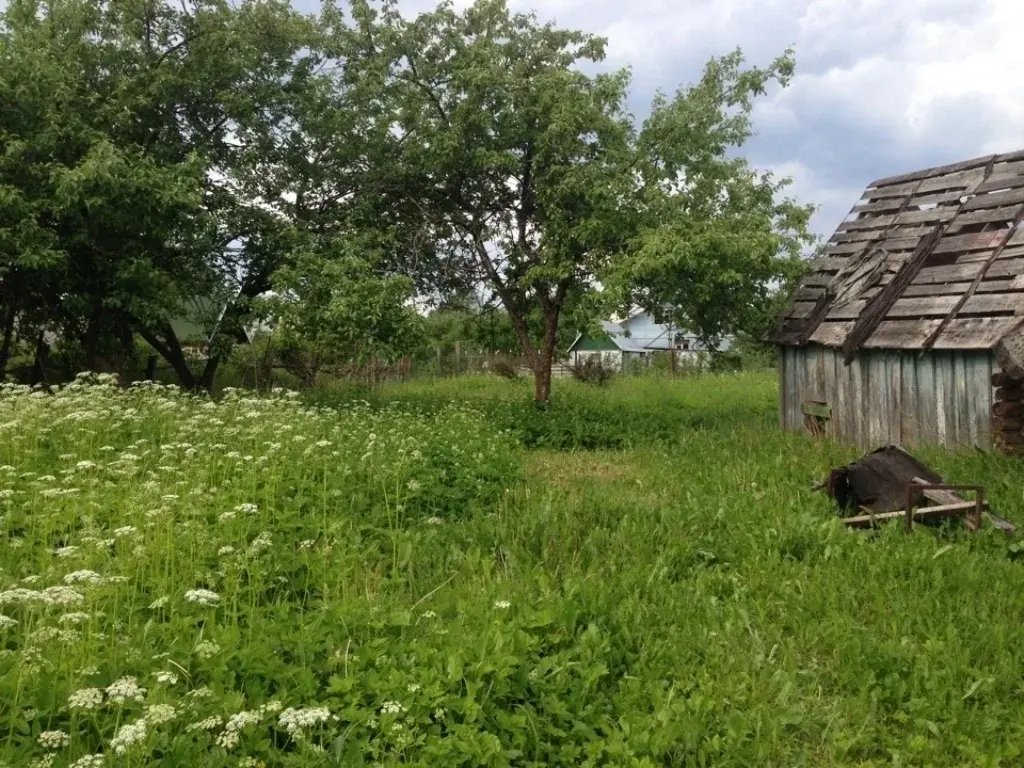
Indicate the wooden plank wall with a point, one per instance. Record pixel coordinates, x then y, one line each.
883 396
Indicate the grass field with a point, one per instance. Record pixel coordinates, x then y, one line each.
442 575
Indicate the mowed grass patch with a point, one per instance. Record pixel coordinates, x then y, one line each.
256 581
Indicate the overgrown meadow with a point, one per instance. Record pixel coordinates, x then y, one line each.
443 575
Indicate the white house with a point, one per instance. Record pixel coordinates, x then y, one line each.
638 337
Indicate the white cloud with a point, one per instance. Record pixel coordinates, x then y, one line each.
833 200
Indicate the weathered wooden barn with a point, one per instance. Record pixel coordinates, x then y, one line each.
908 327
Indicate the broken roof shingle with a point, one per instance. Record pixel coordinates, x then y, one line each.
930 259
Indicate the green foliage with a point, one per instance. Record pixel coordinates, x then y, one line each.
550 187
719 242
399 584
333 307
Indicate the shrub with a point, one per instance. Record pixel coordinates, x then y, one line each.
591 371
505 367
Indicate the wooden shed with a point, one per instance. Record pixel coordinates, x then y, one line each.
908 327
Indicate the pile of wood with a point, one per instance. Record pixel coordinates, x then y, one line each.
1008 414
890 484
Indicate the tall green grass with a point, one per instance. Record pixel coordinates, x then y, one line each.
400 582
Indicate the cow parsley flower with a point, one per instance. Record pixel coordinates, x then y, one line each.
54 740
125 689
86 698
128 735
295 720
240 720
391 708
502 605
6 622
89 761
202 596
207 649
84 575
166 678
209 724
160 713
62 596
227 739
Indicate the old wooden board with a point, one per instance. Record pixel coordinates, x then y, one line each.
922 513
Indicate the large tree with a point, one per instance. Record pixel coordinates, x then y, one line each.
143 138
535 179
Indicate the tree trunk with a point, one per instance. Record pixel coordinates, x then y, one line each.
5 347
171 352
38 371
151 368
210 373
542 381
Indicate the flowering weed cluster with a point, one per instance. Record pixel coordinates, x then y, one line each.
176 573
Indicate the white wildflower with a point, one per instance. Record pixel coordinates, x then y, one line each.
226 550
434 520
86 698
127 735
69 551
429 615
160 602
89 761
391 708
125 689
200 693
209 724
166 678
247 509
62 596
202 596
160 713
227 516
54 739
294 720
260 544
83 575
207 649
125 530
82 465
413 687
270 707
501 605
227 739
6 622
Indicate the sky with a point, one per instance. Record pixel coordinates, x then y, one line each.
882 87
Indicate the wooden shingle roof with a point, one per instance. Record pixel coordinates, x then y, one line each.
932 259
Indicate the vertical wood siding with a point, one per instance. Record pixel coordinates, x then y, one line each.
885 396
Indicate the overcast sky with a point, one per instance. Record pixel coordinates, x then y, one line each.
881 87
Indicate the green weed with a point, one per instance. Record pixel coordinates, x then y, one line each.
257 581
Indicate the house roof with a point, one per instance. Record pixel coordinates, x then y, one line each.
615 333
930 259
199 319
